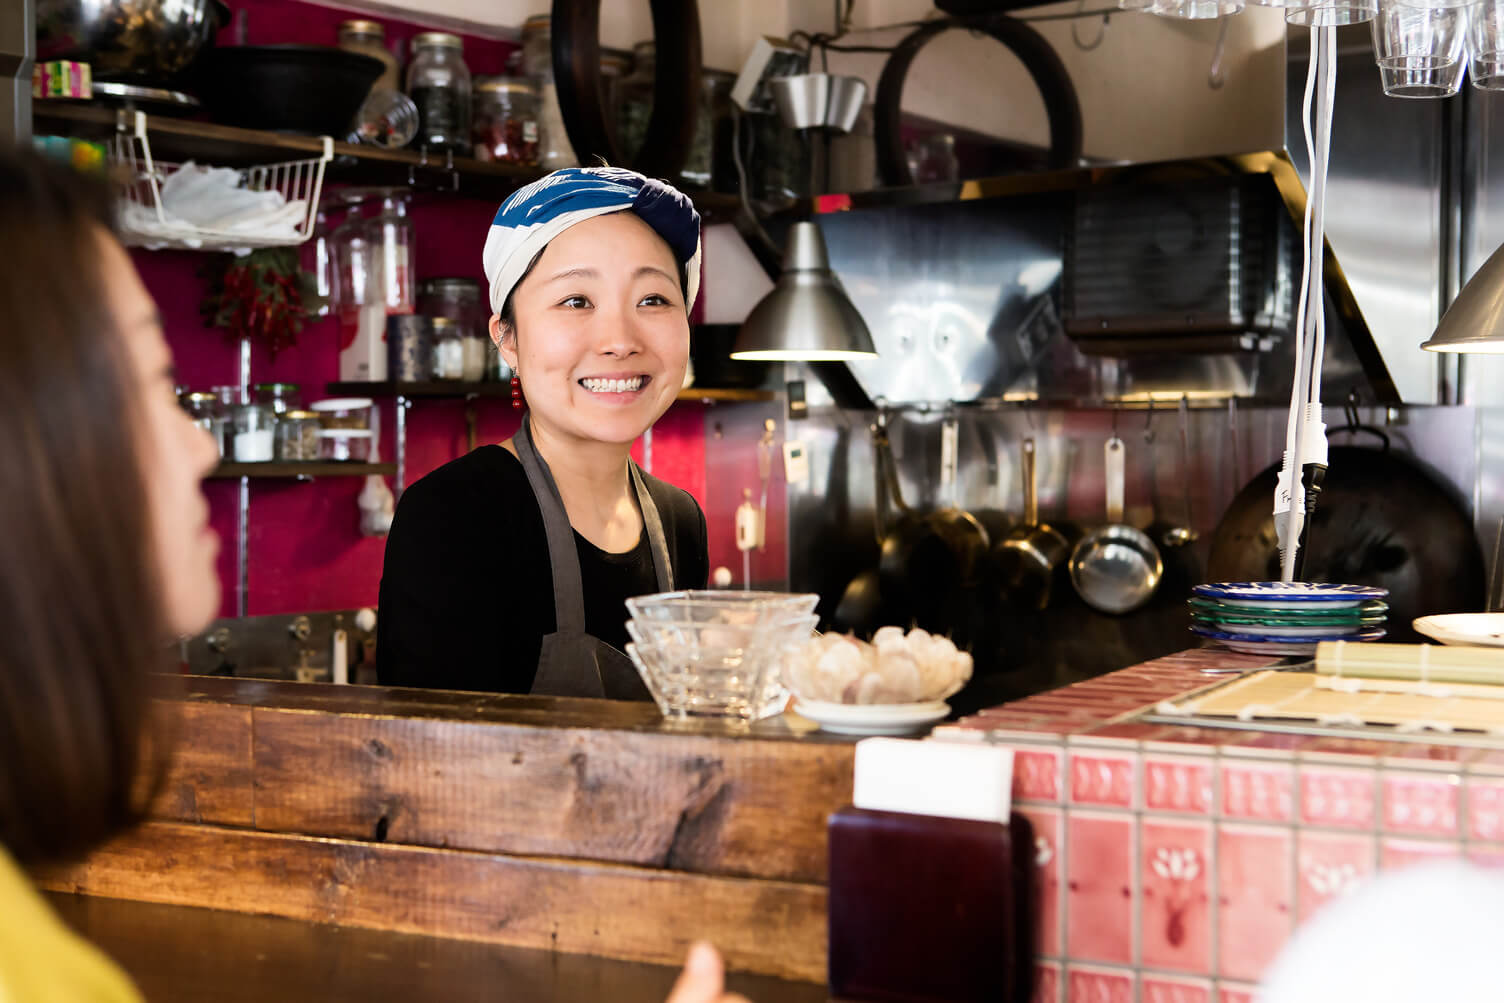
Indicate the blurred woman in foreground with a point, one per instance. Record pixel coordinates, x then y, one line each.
106 556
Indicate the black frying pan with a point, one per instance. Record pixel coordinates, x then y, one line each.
1382 520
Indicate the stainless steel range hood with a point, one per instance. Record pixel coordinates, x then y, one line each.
961 286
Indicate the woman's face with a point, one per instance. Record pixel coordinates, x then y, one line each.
602 335
176 453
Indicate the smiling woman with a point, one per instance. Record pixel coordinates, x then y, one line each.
507 569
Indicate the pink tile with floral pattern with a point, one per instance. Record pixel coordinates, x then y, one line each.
1328 865
1089 984
1421 804
1175 907
1169 989
1049 831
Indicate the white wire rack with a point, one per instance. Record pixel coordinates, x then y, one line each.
145 222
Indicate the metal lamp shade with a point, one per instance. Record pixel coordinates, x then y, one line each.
808 316
1475 320
818 100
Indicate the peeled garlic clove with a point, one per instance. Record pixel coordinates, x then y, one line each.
870 689
901 675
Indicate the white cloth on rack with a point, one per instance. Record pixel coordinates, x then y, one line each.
203 203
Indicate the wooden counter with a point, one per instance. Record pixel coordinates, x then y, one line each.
175 953
581 826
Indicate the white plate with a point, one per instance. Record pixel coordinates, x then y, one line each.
1480 630
872 718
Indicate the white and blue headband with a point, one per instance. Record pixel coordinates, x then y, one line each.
537 213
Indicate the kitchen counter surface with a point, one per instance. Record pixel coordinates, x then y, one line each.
178 953
1175 861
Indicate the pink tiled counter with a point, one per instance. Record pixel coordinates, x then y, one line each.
1174 862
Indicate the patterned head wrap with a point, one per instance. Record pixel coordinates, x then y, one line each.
537 213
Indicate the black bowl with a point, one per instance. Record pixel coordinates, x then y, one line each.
309 89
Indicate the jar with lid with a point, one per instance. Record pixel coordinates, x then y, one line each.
343 412
554 150
345 445
392 240
228 399
461 300
206 414
448 350
637 100
616 64
280 397
253 426
316 257
505 121
298 436
360 299
368 38
439 84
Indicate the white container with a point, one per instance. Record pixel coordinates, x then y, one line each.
343 412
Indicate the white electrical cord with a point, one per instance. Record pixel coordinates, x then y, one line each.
1305 437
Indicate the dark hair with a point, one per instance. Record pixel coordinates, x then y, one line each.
81 624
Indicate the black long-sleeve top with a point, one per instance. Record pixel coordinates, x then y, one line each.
467 587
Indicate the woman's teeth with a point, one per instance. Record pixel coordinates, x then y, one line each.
613 386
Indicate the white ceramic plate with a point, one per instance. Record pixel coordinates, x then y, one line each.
1480 630
1262 632
872 718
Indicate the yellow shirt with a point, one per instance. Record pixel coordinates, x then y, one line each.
41 960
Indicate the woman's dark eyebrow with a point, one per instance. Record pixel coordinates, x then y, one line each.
653 270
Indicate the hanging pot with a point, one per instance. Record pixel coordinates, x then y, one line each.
1382 520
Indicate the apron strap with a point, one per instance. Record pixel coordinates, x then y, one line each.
563 555
652 524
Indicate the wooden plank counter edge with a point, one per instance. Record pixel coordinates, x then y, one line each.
635 914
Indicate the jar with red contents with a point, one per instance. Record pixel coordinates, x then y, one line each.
505 121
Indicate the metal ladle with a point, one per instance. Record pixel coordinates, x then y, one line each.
1182 535
1116 567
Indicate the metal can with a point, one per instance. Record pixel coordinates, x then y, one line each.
409 346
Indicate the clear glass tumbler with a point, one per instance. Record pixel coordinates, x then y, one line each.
1485 45
1420 49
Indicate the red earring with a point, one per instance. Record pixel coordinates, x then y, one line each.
516 393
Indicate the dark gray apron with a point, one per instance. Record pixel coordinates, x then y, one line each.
572 663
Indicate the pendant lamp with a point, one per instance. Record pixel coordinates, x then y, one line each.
1475 320
807 316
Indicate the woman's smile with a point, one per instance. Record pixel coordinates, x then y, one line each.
616 388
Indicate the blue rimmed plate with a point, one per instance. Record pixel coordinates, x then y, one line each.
1255 645
1289 595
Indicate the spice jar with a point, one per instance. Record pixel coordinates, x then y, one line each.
298 436
253 429
554 150
439 84
205 412
505 121
448 350
280 397
369 39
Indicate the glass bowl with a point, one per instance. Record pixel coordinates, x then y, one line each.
740 684
746 608
709 635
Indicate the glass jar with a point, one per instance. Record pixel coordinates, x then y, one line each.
439 84
637 100
253 427
554 150
715 112
392 241
316 256
280 397
369 39
505 121
448 350
298 436
345 445
343 412
473 356
460 300
206 414
228 399
360 300
616 64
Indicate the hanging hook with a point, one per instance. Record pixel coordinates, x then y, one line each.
1215 77
1076 35
1116 407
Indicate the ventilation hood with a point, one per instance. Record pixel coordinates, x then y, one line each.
1073 286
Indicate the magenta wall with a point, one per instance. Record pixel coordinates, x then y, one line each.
306 552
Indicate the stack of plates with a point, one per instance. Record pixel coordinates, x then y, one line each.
1286 618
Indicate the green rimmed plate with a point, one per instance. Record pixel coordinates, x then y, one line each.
1211 609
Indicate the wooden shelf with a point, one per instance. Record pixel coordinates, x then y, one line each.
454 391
307 468
176 139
